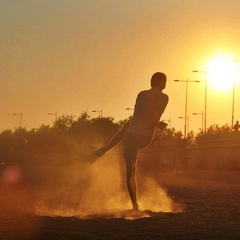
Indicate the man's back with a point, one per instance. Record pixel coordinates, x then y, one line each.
150 104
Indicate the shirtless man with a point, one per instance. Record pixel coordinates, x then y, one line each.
136 134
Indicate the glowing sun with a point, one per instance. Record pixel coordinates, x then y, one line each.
222 73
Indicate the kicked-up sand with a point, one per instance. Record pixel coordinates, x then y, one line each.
175 204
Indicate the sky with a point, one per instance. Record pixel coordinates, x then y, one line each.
71 56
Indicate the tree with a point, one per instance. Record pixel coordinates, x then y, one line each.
216 129
102 129
167 134
63 123
80 128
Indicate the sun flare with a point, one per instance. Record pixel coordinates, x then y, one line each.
222 73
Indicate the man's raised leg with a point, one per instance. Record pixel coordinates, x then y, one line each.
117 138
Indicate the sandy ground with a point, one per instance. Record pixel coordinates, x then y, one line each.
210 210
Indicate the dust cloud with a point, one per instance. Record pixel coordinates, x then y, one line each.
91 187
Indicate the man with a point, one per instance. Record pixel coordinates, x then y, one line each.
236 126
138 133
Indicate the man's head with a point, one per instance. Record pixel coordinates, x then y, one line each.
158 80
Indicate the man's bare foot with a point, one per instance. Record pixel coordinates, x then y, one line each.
99 152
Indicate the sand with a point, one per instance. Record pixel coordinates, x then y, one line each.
209 203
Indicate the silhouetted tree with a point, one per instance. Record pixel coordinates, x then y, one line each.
167 134
5 145
63 123
67 133
216 129
102 128
80 128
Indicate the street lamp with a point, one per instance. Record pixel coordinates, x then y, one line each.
19 114
99 111
202 117
186 120
186 102
205 111
55 114
233 96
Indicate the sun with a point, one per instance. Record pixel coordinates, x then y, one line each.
222 73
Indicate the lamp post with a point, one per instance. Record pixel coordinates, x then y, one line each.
233 94
55 114
205 111
186 120
233 100
202 117
186 102
19 114
99 111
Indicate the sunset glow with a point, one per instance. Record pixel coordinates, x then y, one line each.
222 73
67 57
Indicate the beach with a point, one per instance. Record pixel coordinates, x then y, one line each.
209 209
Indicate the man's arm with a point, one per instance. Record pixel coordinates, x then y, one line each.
160 124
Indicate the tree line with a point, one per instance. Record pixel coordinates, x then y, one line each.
67 131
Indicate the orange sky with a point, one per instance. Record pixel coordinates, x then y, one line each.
70 56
